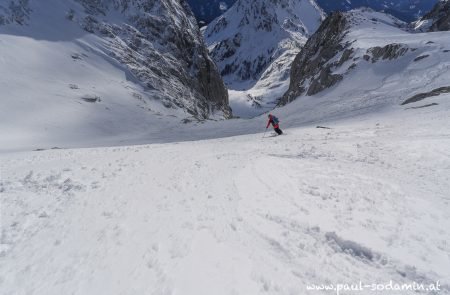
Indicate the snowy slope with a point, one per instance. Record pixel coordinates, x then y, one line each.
74 73
366 88
365 201
254 43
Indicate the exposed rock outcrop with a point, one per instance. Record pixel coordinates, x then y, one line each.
311 70
388 52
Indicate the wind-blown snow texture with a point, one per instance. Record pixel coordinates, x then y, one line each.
254 43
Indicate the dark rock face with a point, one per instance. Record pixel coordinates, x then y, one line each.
162 46
422 96
311 70
440 17
211 86
388 52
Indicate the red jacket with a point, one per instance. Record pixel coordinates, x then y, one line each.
273 123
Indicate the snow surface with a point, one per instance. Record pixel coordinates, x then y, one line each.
367 200
198 213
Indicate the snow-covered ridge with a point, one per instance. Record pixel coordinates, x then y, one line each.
254 43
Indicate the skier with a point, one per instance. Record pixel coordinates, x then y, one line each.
275 123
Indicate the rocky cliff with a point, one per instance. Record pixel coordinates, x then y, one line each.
157 41
313 63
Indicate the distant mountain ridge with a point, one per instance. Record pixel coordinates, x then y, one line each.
406 10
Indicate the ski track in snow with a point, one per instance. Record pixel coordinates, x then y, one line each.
243 215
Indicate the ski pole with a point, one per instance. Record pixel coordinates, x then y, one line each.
264 133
